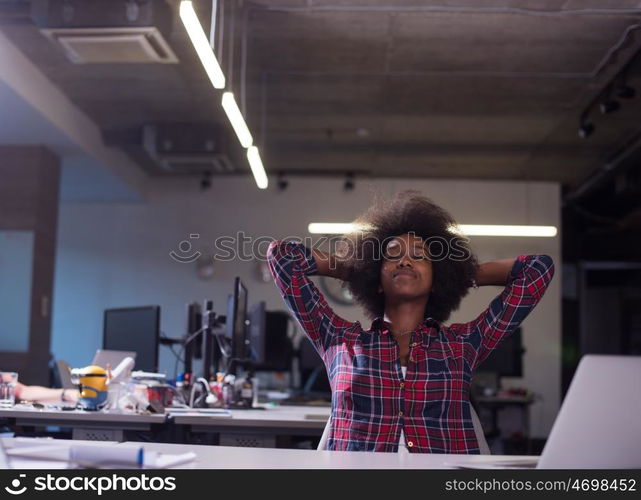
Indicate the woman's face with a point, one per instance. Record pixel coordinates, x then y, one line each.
406 273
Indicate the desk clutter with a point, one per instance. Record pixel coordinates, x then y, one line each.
124 390
220 361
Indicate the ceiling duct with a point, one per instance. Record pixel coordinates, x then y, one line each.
187 149
113 45
99 32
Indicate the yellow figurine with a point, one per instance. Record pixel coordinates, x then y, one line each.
92 384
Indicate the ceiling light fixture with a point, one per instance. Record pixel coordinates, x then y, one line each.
332 227
237 120
256 164
349 182
466 229
201 44
609 106
585 130
283 183
506 230
205 181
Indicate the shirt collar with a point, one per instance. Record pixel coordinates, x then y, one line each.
429 326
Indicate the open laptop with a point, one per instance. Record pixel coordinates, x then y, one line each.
64 374
104 357
598 426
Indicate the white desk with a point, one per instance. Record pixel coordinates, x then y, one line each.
223 457
272 427
274 417
242 427
227 457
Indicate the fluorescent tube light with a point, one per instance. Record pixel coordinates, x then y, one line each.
503 230
331 227
201 44
237 120
466 229
257 167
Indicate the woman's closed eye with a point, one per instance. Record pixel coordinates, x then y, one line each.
399 256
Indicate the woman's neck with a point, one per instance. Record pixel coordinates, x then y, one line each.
404 317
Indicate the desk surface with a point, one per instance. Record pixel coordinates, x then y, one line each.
59 417
223 457
505 400
291 417
299 417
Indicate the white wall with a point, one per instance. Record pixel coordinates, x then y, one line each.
113 255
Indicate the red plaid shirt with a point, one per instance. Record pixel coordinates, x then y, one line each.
371 402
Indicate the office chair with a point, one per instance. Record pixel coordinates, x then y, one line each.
478 430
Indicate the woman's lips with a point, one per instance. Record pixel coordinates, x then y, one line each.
405 272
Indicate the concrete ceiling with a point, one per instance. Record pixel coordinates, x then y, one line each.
488 89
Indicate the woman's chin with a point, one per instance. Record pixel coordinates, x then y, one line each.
406 294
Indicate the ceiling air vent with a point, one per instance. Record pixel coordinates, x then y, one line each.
187 149
113 45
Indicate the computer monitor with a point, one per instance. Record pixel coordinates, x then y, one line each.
257 319
507 359
270 344
134 329
236 316
312 369
194 341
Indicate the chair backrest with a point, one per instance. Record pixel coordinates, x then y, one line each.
322 444
480 436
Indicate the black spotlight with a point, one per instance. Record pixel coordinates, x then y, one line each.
585 130
205 181
283 183
609 106
626 92
349 182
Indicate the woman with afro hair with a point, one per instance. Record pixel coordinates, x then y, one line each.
403 383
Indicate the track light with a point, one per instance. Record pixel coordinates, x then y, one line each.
205 181
609 106
349 182
283 183
585 130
